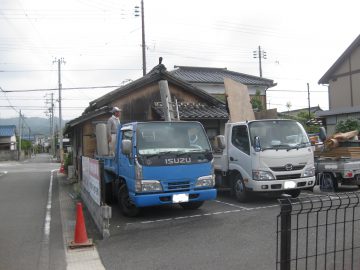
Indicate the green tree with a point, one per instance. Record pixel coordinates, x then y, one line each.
303 118
349 124
256 102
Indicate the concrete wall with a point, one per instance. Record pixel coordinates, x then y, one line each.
6 155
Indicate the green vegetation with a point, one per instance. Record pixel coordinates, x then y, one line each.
68 160
349 124
256 102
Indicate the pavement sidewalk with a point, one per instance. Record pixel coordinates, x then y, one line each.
84 258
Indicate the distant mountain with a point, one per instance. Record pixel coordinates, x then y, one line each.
37 125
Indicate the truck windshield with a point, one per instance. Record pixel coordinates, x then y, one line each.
279 134
171 138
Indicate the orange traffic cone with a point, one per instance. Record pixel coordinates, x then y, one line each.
80 236
62 168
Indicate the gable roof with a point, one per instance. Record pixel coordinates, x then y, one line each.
327 76
216 76
100 106
7 130
312 109
159 72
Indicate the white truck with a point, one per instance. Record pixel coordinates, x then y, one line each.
264 156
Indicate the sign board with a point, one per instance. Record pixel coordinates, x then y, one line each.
91 178
238 101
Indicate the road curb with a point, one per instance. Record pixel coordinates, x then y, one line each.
87 258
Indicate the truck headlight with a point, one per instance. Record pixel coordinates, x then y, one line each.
205 181
150 186
309 172
262 175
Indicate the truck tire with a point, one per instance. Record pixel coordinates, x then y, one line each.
239 189
127 207
329 182
294 193
192 205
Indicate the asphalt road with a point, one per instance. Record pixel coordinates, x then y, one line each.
223 234
24 240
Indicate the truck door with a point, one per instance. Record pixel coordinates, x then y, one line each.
239 152
126 163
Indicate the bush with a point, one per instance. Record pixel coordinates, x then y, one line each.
349 124
68 160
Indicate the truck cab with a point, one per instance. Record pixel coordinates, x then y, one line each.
159 163
264 156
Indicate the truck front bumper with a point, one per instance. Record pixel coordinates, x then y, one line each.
143 200
281 185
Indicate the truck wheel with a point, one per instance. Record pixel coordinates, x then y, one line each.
329 182
240 192
192 205
127 207
294 193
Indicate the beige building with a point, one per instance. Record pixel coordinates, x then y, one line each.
343 80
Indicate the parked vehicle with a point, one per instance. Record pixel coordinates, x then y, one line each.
159 163
264 156
337 165
334 171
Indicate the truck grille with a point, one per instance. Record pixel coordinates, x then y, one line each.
283 169
288 176
175 186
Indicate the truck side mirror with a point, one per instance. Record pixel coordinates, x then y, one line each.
257 145
322 134
219 142
126 147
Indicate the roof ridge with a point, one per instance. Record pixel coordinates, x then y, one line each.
195 67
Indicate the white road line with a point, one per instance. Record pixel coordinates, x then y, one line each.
231 204
183 217
48 210
44 260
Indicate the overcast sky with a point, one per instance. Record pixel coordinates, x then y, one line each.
100 41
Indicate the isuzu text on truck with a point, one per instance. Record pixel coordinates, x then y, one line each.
158 163
264 156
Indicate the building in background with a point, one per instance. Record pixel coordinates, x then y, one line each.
211 80
8 149
343 80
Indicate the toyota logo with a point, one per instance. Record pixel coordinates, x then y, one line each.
289 167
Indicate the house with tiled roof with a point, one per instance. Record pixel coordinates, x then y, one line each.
343 81
211 80
7 137
140 101
8 142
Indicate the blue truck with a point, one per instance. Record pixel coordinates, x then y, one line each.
159 163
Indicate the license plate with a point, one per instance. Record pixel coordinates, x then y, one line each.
179 198
289 184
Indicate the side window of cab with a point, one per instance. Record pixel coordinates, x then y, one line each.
127 135
240 139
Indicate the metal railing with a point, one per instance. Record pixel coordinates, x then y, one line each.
319 232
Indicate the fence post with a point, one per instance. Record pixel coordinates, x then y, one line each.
285 238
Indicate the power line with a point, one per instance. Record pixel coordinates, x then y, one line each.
299 91
52 70
56 89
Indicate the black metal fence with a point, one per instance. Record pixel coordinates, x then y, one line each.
319 232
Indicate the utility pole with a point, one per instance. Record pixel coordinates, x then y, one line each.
61 151
52 126
20 129
259 54
142 34
308 90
